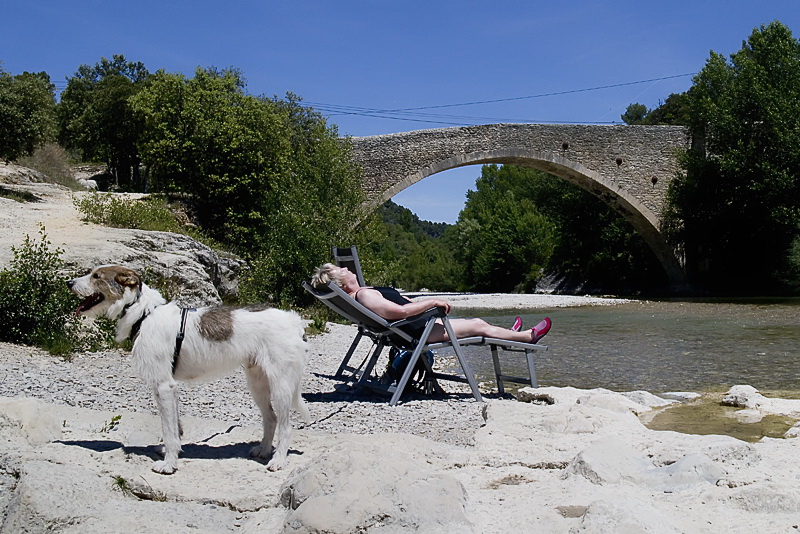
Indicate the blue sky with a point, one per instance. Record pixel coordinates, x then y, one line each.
574 62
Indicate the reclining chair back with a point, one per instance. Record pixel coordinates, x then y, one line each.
348 257
339 301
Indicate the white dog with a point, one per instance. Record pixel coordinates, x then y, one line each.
268 343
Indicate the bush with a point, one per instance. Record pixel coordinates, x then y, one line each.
52 161
147 213
152 213
36 307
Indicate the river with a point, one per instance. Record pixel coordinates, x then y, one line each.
662 345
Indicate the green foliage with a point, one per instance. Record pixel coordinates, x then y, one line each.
151 212
789 274
112 424
736 208
27 113
36 308
505 241
18 195
394 214
635 114
596 249
319 314
138 491
95 117
522 223
412 254
122 485
266 176
674 110
313 199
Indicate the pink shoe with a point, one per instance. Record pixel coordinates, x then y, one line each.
541 330
517 324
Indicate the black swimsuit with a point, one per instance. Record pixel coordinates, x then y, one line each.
414 328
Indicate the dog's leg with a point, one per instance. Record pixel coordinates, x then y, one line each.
283 395
166 399
259 386
178 413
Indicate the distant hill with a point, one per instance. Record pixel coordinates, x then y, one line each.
392 213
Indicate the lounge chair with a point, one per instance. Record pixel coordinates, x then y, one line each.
385 333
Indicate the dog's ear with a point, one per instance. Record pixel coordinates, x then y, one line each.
127 278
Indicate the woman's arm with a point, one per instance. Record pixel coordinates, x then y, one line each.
372 299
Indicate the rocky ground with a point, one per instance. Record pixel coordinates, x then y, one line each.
77 439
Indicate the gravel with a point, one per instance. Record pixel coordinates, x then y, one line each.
106 381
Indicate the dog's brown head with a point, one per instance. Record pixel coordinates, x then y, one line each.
103 287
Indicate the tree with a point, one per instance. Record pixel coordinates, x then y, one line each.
674 110
315 198
736 206
505 241
581 241
27 113
412 254
266 176
95 117
635 114
205 137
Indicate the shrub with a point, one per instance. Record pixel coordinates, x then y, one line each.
152 213
52 161
147 213
36 307
19 196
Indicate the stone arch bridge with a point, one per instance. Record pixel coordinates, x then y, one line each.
628 167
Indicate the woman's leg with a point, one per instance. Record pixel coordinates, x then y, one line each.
477 327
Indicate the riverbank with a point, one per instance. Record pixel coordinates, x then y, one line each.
518 301
76 434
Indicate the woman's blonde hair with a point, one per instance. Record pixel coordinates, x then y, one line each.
324 274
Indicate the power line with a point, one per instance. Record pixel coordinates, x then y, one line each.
558 93
413 113
424 117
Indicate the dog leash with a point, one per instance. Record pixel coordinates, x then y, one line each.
179 337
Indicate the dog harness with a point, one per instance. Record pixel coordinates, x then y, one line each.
137 325
179 338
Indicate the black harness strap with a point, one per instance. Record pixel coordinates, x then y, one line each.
136 326
179 338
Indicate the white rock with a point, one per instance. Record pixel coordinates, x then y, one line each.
32 419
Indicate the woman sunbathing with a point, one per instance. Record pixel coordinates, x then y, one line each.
392 306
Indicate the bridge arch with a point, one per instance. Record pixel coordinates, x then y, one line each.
623 166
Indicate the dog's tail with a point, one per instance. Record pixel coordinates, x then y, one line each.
301 408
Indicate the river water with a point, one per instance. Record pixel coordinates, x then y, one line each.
662 346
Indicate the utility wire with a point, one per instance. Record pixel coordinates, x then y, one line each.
413 113
558 93
421 117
